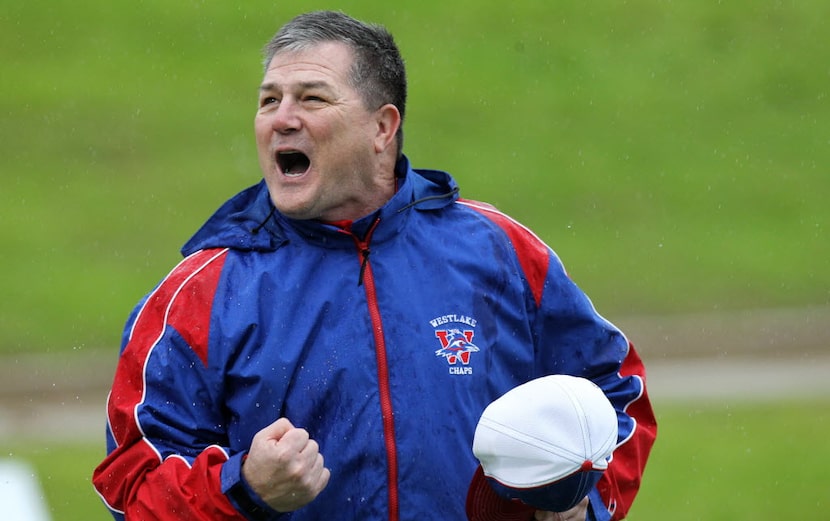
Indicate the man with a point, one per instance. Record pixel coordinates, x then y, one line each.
347 307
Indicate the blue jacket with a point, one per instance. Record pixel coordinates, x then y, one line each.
385 341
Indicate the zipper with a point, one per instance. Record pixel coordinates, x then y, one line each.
367 280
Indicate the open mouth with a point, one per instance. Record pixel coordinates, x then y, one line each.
293 163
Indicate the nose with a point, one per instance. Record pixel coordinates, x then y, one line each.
286 118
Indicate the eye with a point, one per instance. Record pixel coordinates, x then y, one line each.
268 100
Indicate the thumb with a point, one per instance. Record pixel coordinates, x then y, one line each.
277 430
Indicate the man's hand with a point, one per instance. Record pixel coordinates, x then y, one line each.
577 513
284 466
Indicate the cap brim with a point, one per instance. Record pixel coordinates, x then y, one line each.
484 504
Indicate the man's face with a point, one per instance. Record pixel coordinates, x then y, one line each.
316 139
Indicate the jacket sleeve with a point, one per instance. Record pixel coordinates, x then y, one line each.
572 338
167 450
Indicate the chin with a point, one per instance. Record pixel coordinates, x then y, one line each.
294 211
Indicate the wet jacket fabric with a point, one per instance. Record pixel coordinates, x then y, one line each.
384 338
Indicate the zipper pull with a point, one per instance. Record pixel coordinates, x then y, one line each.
364 253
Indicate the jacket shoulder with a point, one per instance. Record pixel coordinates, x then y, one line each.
533 254
182 300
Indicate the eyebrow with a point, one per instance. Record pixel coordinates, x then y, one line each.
303 85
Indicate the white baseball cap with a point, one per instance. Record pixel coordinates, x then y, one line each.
542 446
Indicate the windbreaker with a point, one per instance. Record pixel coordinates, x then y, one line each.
384 338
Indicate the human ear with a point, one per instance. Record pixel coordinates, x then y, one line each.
388 119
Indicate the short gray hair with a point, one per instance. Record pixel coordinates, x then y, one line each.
378 72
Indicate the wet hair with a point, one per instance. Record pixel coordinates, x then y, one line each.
377 74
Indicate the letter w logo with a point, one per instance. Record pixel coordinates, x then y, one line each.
456 345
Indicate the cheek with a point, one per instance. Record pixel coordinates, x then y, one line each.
262 130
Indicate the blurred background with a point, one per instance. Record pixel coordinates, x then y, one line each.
673 154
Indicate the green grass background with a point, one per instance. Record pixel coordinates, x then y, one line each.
673 153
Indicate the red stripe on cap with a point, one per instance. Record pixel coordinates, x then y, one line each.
484 504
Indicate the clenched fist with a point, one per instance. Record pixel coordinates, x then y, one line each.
284 466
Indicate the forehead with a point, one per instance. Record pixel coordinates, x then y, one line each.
327 62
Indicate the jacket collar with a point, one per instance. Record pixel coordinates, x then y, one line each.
250 222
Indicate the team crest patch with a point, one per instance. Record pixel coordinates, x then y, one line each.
457 345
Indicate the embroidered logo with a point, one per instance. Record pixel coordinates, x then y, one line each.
456 342
456 345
